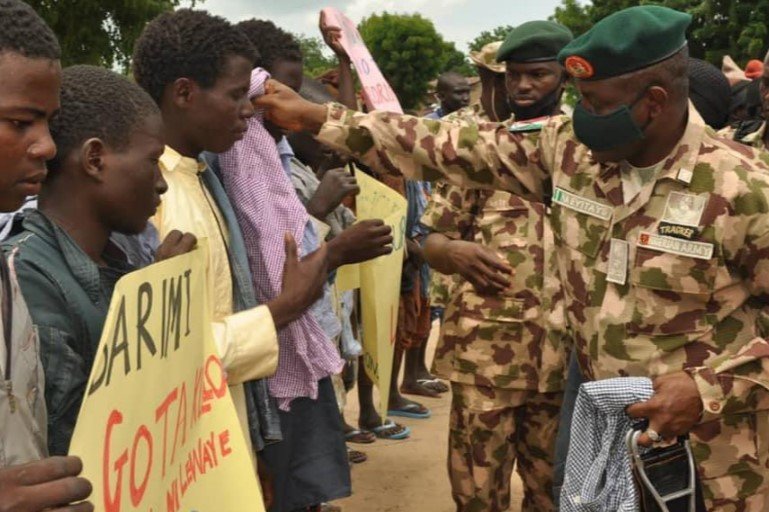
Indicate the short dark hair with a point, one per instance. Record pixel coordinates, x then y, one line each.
186 43
273 43
447 80
96 102
23 31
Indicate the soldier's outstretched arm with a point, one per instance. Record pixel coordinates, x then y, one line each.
464 153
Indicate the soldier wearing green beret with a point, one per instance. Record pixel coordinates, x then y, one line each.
661 233
503 342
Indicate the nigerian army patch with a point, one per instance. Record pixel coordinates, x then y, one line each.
699 250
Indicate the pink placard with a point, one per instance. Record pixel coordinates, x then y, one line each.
377 93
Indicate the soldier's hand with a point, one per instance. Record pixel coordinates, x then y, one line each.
286 109
50 484
674 408
481 266
366 240
175 244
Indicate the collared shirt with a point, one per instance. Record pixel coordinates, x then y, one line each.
247 341
68 295
23 425
323 309
598 473
306 184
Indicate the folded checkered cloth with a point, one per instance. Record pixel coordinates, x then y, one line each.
598 475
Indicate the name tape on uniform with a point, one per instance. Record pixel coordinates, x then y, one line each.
618 257
699 250
581 204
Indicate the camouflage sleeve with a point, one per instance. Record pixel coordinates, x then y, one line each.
467 154
450 211
738 380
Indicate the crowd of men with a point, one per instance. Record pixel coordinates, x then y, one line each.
628 239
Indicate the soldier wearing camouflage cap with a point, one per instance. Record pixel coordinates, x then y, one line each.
661 230
503 342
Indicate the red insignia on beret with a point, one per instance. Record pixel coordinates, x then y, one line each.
578 67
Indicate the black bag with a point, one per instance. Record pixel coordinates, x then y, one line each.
665 477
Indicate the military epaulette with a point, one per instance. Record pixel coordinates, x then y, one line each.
530 125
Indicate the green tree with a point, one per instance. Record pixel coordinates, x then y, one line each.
574 15
719 27
99 32
317 60
457 61
489 36
409 51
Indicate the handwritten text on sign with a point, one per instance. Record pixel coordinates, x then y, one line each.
158 431
377 92
380 282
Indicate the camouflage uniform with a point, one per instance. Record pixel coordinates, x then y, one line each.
753 139
697 304
457 222
504 355
443 287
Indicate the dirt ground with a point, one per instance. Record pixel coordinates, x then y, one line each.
408 475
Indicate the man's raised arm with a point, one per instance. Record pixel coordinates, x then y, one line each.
466 154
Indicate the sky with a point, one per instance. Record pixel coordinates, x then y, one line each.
459 21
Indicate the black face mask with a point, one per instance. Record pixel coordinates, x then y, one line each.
615 129
544 107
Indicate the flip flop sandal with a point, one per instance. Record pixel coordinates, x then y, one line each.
356 457
385 431
413 410
434 385
359 437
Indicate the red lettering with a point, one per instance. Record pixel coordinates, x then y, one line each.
137 493
224 443
172 497
112 503
199 405
211 449
162 412
181 422
221 388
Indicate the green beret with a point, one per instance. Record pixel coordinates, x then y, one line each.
534 41
626 41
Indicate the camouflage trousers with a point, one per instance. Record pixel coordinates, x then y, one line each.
490 430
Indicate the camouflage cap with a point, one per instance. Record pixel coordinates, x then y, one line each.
626 41
534 41
487 58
